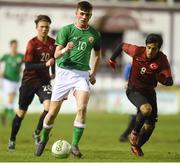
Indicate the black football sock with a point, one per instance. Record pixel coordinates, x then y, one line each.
40 123
131 125
140 119
15 127
144 135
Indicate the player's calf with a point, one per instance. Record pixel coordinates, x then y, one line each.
133 138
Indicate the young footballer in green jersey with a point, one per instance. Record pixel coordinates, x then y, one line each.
74 45
11 76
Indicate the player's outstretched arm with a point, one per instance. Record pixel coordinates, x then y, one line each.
115 54
36 66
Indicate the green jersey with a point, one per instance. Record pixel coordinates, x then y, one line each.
12 66
84 41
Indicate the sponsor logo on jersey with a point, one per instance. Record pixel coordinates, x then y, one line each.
139 59
18 60
153 66
51 47
91 39
75 38
39 48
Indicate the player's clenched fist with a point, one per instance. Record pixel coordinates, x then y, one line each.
69 45
50 62
92 79
112 64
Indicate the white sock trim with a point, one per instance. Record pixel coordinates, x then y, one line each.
47 126
79 124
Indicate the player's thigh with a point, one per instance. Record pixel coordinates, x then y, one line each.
81 82
136 97
21 112
82 90
82 98
153 101
26 95
11 97
44 93
63 83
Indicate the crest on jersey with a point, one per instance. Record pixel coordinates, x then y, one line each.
153 66
19 60
51 47
91 39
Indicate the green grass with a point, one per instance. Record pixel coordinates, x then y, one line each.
99 142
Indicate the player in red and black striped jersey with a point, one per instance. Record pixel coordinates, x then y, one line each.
39 58
149 67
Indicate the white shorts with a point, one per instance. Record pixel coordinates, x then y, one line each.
10 86
67 80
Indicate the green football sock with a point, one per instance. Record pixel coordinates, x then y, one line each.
10 114
4 116
45 135
5 111
77 133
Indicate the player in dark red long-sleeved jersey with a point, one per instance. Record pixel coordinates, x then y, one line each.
36 77
149 67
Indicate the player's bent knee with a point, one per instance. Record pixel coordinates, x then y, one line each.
146 109
21 113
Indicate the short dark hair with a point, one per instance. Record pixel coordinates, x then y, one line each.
13 41
154 38
42 18
84 6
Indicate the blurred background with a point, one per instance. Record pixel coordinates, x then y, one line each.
117 21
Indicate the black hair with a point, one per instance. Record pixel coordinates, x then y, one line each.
42 18
84 6
154 38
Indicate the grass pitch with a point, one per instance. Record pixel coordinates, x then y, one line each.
99 142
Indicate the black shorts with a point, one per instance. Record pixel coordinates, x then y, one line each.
139 98
26 94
